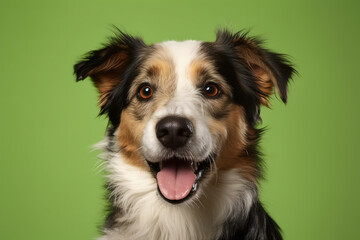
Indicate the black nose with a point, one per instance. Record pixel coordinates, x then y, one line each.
174 131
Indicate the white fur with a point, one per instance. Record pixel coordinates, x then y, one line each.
147 216
188 103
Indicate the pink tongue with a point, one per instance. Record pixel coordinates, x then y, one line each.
175 179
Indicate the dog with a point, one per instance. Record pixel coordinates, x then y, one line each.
181 148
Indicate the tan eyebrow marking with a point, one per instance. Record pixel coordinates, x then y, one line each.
199 72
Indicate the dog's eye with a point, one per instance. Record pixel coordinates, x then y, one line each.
145 92
211 90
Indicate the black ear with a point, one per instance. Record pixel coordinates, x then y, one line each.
269 69
111 69
107 65
80 71
100 61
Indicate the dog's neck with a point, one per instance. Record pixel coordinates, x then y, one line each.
140 213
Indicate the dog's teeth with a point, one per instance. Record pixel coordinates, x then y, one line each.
194 187
194 165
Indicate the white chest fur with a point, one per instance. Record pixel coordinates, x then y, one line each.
145 215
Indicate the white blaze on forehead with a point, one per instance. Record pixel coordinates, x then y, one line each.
186 102
182 55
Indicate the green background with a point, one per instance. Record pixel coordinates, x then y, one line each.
50 187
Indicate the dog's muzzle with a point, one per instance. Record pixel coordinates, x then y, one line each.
177 177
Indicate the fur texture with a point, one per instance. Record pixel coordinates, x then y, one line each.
209 94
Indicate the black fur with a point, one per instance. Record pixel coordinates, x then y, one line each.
257 225
134 49
222 52
239 78
279 64
229 64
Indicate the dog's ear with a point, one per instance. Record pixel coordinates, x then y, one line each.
106 66
269 69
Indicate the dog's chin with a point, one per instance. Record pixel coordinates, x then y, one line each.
179 179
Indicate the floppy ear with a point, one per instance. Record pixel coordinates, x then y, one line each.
106 66
269 69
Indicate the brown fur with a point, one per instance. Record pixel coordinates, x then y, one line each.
251 54
106 76
158 71
129 139
236 142
202 71
104 86
231 118
159 74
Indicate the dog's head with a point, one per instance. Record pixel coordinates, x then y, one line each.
182 109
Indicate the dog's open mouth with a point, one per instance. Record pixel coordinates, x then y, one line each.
178 178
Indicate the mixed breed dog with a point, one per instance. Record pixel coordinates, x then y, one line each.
181 148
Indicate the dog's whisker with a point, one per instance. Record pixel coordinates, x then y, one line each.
212 158
172 108
100 166
199 202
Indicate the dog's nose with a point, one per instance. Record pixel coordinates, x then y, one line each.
174 131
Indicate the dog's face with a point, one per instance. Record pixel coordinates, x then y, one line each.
186 110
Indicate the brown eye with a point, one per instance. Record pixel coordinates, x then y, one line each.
145 92
211 90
